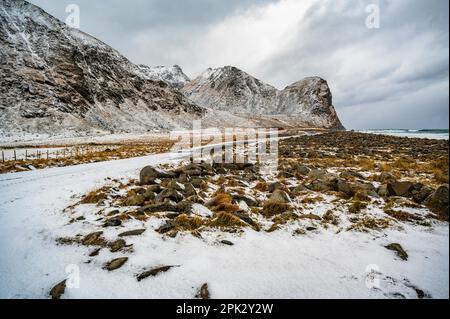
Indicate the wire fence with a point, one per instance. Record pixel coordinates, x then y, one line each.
21 154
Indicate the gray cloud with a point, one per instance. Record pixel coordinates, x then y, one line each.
395 76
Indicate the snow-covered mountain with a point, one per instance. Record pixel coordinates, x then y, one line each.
173 76
55 79
304 103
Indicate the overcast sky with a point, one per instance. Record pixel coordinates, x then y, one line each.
395 76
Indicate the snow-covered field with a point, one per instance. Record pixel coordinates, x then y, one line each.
259 265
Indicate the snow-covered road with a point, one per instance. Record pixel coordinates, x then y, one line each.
259 265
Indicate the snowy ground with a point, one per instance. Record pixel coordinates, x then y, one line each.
260 265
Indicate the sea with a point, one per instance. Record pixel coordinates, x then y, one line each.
438 134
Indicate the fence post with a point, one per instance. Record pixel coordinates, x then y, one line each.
3 156
47 154
26 154
15 156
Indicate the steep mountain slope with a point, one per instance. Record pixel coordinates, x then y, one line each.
173 76
55 79
304 103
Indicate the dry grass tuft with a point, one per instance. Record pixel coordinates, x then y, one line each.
95 196
222 203
366 164
357 206
402 215
185 222
272 208
369 223
226 220
262 187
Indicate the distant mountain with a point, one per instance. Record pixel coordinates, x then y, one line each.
55 79
173 76
304 103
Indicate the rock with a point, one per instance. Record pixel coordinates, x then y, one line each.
135 200
189 190
116 263
200 210
316 174
204 292
170 194
94 239
196 199
197 182
298 189
175 185
310 216
351 175
303 170
154 188
399 250
247 219
249 200
153 272
227 242
322 185
149 174
344 187
184 206
385 177
95 252
58 290
148 195
383 191
112 222
311 228
401 189
160 207
280 196
117 245
274 186
168 226
136 232
438 201
420 192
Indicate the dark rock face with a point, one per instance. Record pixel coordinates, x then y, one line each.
52 74
306 103
399 188
438 201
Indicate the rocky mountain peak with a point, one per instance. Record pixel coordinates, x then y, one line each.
307 102
55 79
173 76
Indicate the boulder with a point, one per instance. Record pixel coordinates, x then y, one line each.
420 192
274 186
402 189
189 190
149 174
116 263
317 174
383 191
249 200
160 207
438 201
303 170
130 233
399 250
344 187
385 177
58 290
170 194
351 175
280 196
